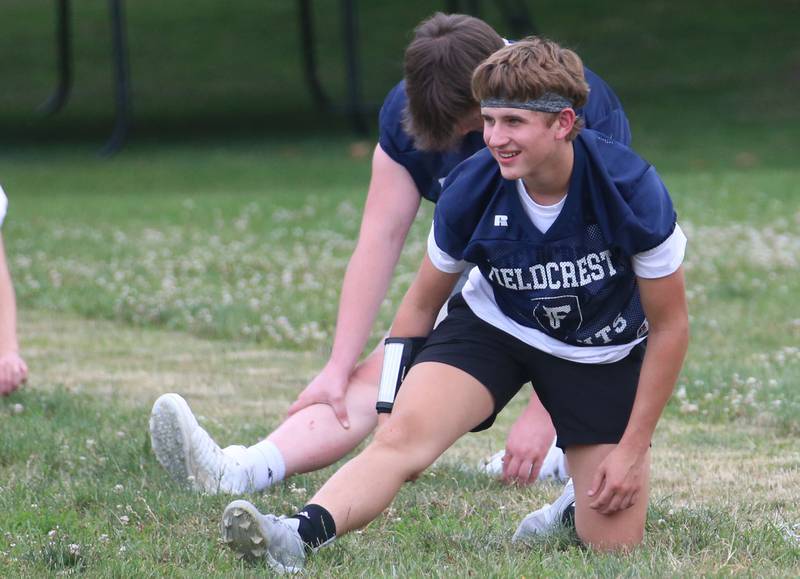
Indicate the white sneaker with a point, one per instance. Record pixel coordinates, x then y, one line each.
549 517
256 536
189 454
553 466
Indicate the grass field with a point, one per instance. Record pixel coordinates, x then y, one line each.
206 259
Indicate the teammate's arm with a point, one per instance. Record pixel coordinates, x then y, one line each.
423 300
392 202
616 484
13 370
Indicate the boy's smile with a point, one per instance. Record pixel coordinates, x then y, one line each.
530 145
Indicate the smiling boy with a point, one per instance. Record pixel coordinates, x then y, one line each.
543 193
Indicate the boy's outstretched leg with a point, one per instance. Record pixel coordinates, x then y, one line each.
257 536
436 405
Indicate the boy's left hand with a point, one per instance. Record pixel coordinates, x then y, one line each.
618 480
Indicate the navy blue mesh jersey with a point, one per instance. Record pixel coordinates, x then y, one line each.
603 112
573 284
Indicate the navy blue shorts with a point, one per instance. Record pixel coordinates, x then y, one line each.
588 403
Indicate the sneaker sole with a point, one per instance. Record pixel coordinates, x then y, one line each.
242 532
170 438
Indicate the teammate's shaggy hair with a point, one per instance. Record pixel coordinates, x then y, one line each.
526 70
438 67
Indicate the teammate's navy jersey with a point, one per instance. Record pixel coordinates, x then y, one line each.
603 112
575 282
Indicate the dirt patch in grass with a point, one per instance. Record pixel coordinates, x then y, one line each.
137 365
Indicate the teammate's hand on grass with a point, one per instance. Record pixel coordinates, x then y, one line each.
618 480
13 372
527 446
329 387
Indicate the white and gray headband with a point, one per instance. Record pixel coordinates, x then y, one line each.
549 102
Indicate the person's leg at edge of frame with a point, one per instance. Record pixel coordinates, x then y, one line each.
621 531
425 422
313 438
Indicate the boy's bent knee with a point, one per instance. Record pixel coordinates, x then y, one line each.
396 440
611 537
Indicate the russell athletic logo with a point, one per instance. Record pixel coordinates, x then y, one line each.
501 220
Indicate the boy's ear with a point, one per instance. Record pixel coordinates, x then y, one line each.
564 122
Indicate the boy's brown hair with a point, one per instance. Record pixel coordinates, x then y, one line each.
526 70
438 70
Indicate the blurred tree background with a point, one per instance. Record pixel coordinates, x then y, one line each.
689 74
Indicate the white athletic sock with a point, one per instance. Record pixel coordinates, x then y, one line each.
264 462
